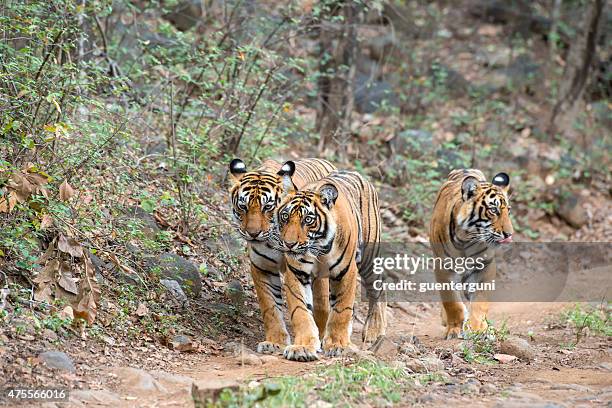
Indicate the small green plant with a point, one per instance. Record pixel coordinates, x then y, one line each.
480 346
586 319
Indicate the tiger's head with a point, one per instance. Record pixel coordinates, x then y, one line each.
484 211
305 221
255 196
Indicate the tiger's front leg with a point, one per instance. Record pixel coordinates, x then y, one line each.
298 290
342 299
265 271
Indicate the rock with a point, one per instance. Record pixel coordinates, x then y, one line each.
572 387
172 381
134 379
175 289
95 398
449 160
266 358
249 359
488 389
384 348
412 142
425 364
504 358
207 391
469 388
57 360
186 14
571 211
371 94
148 225
450 80
181 342
235 292
49 335
229 243
174 267
516 346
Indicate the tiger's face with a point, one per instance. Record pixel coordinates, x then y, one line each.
484 212
305 223
255 196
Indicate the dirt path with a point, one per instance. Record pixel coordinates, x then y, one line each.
556 377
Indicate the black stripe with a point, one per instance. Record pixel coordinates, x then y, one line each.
263 255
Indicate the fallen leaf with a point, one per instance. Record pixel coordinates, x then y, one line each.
46 221
142 310
67 282
69 246
66 313
89 294
65 191
504 358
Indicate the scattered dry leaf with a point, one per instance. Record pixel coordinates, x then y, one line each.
65 191
70 246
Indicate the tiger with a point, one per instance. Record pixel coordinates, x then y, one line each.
254 198
471 217
330 227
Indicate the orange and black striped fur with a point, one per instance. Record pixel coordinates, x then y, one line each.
470 218
329 228
255 196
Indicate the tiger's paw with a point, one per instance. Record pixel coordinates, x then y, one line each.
267 347
335 351
300 353
453 333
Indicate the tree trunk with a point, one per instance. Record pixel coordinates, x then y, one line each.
337 54
578 66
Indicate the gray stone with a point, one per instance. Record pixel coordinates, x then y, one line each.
148 225
412 142
488 389
516 346
49 335
450 80
175 289
571 211
385 348
57 360
370 94
174 267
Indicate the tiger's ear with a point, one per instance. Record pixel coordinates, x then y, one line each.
328 194
286 172
502 180
237 169
469 187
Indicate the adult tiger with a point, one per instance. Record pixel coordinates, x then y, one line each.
470 218
255 195
329 228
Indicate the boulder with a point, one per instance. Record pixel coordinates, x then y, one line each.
571 211
207 391
516 346
148 225
370 94
175 289
135 379
57 360
174 267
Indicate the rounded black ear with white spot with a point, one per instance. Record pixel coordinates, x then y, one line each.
469 187
328 194
237 169
502 180
286 172
287 169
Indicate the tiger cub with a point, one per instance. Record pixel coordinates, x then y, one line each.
470 218
255 196
329 228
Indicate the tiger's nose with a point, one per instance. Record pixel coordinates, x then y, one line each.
290 245
253 234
